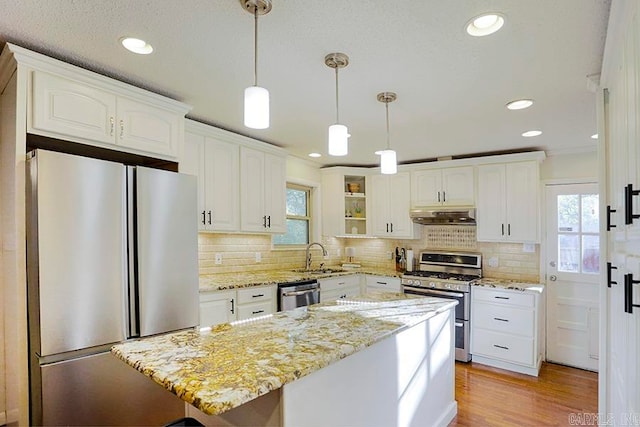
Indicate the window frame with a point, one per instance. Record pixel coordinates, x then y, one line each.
309 217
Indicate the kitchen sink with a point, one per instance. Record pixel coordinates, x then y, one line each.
320 270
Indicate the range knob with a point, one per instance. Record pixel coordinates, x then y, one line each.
410 282
432 284
447 285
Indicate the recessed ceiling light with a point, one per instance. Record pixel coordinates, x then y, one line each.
315 155
485 24
520 104
594 136
531 133
136 45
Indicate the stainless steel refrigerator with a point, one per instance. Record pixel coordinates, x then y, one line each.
111 255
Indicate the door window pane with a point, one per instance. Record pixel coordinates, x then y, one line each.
590 213
568 213
296 202
590 254
569 253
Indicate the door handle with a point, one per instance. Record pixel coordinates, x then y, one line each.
392 227
508 229
257 312
609 212
502 229
553 277
264 221
121 129
112 124
387 227
204 217
233 306
609 281
444 196
628 293
269 221
629 192
209 217
298 293
438 196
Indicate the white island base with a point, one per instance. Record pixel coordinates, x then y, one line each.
407 379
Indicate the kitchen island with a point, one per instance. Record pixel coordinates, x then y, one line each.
384 359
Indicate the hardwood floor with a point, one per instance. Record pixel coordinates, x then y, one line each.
493 397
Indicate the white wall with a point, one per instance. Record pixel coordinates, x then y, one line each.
579 165
301 169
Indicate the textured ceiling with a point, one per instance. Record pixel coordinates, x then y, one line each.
452 88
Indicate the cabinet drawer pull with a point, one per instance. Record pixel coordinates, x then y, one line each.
609 281
501 346
340 283
500 320
629 192
501 297
609 212
382 283
257 296
257 312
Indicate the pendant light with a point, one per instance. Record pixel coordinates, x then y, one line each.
388 160
338 134
256 98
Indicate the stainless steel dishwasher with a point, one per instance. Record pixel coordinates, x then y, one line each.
298 294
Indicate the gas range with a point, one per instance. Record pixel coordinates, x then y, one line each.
445 271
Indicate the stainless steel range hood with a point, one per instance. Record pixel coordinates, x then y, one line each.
444 216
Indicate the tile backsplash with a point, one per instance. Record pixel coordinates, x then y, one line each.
238 251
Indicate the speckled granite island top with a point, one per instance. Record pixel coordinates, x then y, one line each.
222 281
509 285
221 369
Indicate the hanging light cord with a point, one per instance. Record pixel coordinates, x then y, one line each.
386 105
337 108
255 45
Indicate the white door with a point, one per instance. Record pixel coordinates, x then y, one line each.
222 185
253 215
426 186
457 186
379 205
572 265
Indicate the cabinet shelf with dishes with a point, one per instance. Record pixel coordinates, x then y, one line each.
355 205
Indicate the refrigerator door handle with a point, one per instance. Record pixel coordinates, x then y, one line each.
131 231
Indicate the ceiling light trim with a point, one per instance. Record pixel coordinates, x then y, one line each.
473 29
136 45
519 104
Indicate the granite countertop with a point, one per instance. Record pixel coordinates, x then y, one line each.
220 369
513 285
223 281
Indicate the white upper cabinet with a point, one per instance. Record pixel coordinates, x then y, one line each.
262 191
390 204
508 202
216 163
443 187
83 107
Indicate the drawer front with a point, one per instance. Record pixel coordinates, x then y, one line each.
503 318
503 297
248 311
391 284
505 347
255 294
341 293
339 282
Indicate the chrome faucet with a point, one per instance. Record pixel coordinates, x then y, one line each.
308 256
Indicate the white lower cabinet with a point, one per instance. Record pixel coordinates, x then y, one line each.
341 287
256 301
506 329
382 283
226 306
217 307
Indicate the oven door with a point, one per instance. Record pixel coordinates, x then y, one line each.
462 309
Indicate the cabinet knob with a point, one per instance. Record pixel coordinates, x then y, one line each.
553 277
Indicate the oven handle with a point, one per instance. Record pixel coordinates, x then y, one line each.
459 324
437 292
297 293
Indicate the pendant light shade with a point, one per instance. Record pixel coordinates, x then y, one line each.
338 140
388 162
256 98
388 159
256 107
338 133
